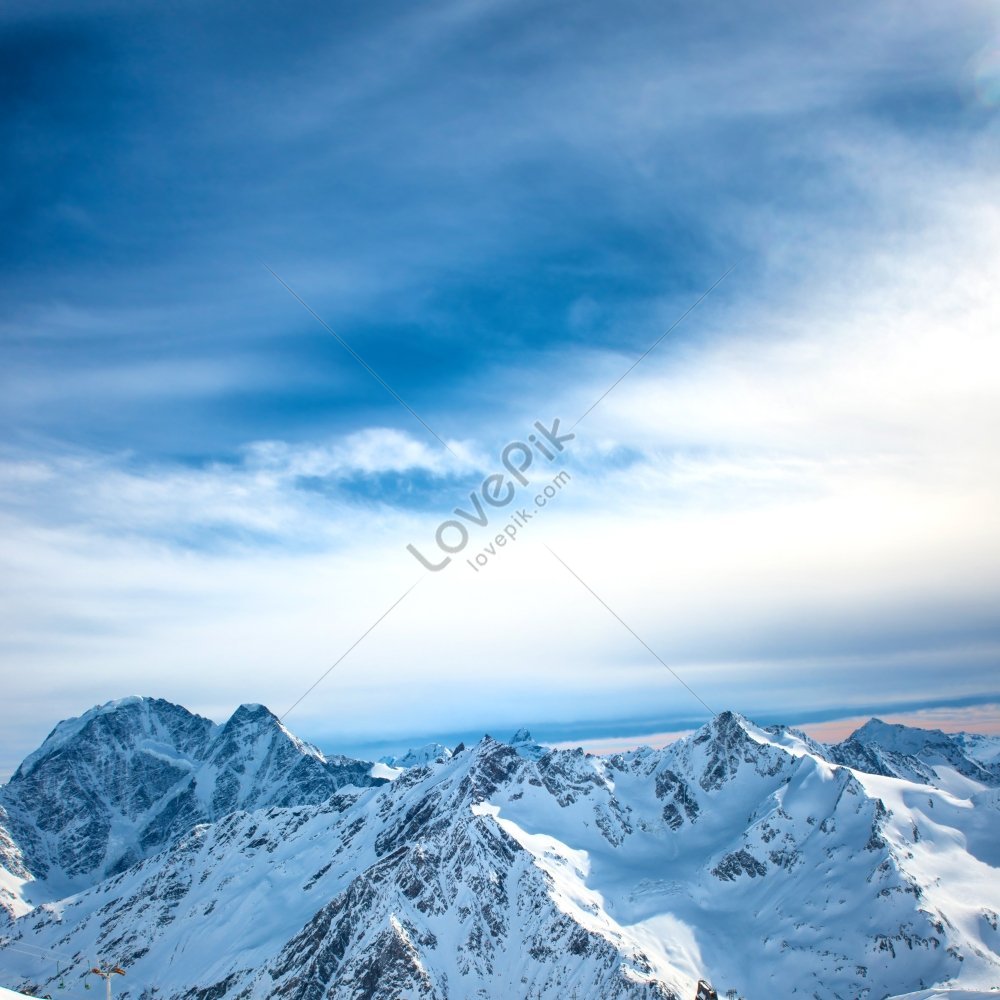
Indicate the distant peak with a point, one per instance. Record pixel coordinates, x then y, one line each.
875 729
525 745
429 754
898 737
875 725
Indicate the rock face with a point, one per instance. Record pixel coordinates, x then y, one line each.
127 778
738 855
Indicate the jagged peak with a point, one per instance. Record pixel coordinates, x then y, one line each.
725 725
502 850
257 718
526 745
729 719
253 721
489 747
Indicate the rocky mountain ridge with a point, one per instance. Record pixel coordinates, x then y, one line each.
126 779
743 855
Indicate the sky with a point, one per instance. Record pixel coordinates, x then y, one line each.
281 288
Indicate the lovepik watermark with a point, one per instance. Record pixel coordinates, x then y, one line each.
518 520
496 491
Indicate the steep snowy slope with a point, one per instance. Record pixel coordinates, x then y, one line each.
738 854
125 779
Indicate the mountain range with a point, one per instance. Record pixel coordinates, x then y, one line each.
216 862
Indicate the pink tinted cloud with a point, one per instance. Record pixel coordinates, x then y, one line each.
972 719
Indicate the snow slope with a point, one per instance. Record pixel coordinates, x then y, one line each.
948 995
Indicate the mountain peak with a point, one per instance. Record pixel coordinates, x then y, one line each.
727 744
430 753
465 875
910 752
897 737
124 717
731 718
111 787
726 726
252 712
526 746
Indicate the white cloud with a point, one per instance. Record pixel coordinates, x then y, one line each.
808 509
373 450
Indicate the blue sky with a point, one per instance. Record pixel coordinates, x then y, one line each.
500 206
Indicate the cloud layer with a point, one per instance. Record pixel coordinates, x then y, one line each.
791 499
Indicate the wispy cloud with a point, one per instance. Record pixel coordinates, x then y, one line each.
499 208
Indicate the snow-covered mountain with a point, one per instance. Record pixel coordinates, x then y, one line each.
127 778
429 754
738 854
390 767
926 756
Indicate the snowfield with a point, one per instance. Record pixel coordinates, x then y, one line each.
751 857
949 995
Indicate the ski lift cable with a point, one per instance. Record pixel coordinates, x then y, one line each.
39 952
4 941
42 954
